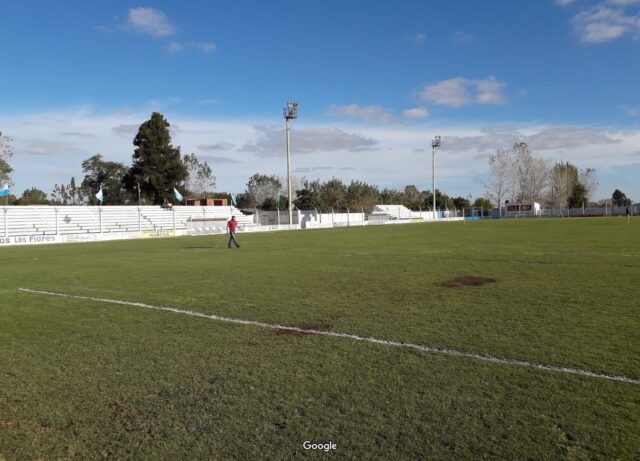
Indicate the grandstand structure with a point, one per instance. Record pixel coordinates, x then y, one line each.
392 211
44 224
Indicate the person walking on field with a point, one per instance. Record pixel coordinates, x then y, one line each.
232 225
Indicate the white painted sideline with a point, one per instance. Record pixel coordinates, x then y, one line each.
383 342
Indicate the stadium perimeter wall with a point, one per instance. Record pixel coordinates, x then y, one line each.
570 212
32 225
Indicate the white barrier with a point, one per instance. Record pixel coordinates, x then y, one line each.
35 225
78 238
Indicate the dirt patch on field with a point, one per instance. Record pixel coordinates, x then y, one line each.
467 281
301 329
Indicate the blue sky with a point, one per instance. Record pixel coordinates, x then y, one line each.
375 80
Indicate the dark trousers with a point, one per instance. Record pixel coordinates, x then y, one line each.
232 238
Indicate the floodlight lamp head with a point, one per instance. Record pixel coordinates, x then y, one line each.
291 111
435 142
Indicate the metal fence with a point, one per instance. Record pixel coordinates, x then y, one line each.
550 212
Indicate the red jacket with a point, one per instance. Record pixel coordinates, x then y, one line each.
232 224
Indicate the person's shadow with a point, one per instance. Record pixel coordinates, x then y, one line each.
204 248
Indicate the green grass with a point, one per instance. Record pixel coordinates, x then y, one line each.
83 379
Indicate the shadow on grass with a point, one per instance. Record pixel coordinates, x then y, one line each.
221 247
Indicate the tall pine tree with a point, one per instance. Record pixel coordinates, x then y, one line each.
157 165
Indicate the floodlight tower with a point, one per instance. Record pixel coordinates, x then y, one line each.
290 113
435 143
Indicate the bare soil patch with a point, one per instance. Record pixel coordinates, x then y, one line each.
467 281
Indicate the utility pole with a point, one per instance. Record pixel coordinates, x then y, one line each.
290 113
435 143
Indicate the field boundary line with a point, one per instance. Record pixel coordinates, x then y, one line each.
333 334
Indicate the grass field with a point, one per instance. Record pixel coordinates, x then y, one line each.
87 379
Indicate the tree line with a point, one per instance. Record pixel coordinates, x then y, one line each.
267 192
519 176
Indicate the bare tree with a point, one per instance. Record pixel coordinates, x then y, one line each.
200 179
69 194
6 152
564 177
297 183
262 187
500 180
532 175
570 186
589 181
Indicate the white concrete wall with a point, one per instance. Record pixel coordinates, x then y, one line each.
31 225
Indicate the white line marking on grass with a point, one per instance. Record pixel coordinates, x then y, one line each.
383 342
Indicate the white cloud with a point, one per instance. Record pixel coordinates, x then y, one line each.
217 159
127 131
623 2
49 148
321 168
156 24
603 24
452 92
569 138
175 47
308 140
601 32
369 114
76 134
416 112
485 140
222 145
417 38
461 37
204 47
150 21
489 91
458 92
548 138
564 2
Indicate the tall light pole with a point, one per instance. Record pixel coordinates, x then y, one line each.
290 113
435 143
